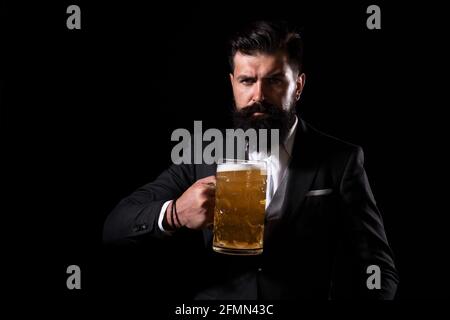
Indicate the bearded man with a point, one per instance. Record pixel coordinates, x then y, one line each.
323 230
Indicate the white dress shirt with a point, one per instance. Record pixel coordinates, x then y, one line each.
276 169
276 166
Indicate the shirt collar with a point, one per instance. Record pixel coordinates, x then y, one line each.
289 142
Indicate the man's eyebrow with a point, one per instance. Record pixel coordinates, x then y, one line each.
244 77
275 74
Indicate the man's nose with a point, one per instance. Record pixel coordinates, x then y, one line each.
258 94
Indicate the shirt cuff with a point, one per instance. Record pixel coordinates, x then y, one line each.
161 216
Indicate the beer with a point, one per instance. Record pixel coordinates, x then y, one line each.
240 207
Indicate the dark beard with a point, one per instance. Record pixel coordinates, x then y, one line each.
274 118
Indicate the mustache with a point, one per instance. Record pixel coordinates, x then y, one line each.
275 118
263 107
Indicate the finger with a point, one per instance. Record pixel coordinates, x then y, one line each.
209 189
208 180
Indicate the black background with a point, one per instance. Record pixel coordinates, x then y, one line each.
86 118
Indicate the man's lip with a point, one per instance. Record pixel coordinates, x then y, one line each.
258 113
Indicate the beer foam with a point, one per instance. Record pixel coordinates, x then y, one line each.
240 167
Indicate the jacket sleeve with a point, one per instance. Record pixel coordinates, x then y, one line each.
364 241
137 215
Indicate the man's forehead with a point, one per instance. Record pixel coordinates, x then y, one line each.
260 62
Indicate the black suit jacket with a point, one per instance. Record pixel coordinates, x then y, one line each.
320 247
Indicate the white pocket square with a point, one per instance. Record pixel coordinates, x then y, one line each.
319 192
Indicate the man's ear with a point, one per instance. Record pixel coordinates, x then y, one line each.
300 85
231 78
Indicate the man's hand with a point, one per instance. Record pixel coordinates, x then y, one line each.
195 207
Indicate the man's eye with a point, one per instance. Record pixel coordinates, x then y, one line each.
247 81
275 81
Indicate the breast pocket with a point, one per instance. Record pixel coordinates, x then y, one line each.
319 209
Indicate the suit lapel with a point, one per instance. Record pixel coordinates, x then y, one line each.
301 171
290 194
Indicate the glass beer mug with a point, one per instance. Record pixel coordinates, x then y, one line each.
240 207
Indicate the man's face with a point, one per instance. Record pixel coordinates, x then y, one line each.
265 77
265 88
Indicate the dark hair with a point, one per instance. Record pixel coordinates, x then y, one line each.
268 37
